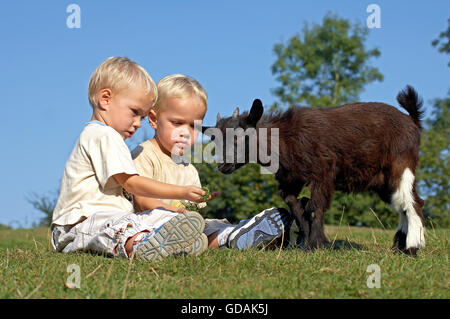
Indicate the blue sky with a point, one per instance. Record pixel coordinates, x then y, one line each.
227 46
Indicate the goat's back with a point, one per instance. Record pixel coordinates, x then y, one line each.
361 139
348 124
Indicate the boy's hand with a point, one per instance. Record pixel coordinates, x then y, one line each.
194 194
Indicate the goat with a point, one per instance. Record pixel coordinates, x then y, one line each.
353 148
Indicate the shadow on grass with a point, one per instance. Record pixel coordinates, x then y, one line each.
336 245
332 245
344 245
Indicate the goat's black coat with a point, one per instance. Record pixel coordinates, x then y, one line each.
352 148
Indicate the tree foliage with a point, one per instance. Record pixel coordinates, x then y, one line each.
434 169
443 47
325 65
45 204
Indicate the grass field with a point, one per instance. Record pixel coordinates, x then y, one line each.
30 269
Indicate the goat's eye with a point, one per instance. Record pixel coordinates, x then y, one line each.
213 137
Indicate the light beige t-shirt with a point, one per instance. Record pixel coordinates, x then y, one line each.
87 185
151 162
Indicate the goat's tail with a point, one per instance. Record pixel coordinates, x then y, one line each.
411 102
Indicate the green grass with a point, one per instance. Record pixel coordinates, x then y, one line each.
30 269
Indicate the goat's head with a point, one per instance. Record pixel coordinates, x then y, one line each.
237 138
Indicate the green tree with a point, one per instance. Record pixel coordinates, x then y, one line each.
327 65
440 42
434 168
45 204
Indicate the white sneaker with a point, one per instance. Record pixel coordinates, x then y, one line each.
260 230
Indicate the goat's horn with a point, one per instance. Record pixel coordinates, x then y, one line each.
236 112
218 117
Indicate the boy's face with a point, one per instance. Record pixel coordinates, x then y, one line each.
174 125
124 110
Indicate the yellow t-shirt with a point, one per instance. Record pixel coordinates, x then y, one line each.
86 185
151 162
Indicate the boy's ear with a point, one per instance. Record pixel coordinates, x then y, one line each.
153 119
256 112
104 98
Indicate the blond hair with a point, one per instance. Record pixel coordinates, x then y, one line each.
179 86
119 73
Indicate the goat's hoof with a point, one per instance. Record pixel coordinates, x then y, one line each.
316 244
412 251
399 242
409 252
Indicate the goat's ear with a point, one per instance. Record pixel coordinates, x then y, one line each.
256 112
235 113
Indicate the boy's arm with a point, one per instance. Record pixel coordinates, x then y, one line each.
144 186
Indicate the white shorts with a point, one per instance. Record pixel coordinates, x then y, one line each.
107 232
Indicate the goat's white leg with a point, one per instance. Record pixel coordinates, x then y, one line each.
410 222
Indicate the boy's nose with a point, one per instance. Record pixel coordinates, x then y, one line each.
184 132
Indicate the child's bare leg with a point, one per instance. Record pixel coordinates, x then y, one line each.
212 240
129 243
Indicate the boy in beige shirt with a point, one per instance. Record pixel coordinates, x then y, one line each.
182 102
91 213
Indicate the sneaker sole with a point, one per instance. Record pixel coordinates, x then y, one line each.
198 247
261 236
180 235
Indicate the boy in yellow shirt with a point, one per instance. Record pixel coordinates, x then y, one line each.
181 102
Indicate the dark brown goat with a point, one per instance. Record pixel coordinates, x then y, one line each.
352 148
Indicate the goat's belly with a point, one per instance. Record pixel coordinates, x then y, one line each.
359 180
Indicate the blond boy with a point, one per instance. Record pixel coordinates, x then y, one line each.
181 104
91 213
